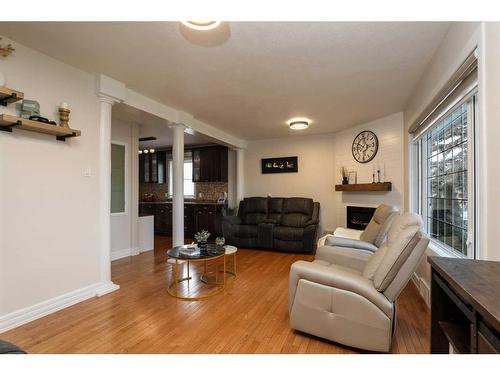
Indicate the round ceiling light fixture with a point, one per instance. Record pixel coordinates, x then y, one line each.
201 25
298 123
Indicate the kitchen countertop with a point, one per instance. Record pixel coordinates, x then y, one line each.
185 202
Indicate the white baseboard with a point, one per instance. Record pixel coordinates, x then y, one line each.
28 314
123 253
119 254
106 288
423 288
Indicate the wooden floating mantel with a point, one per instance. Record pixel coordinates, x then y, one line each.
8 96
7 122
377 186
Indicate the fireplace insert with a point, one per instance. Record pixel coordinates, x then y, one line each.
359 217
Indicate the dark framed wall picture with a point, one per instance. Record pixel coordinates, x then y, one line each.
280 165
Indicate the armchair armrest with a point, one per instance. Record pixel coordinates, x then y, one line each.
343 256
233 220
348 242
311 222
339 278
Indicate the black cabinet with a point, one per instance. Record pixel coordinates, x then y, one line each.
197 217
208 217
210 164
163 219
153 167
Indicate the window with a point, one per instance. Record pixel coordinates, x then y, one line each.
117 178
188 176
446 177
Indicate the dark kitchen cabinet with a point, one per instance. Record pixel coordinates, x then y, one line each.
208 217
163 219
196 218
146 209
153 167
210 164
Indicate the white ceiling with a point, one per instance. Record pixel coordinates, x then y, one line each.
248 78
153 126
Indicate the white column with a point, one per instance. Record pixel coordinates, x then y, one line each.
134 191
107 285
240 175
178 186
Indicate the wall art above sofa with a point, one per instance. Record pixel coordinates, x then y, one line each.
280 165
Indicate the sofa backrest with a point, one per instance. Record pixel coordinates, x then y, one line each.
290 212
253 210
275 209
296 212
379 225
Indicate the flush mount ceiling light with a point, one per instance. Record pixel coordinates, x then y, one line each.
298 123
201 25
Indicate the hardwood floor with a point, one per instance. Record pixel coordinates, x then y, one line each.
249 317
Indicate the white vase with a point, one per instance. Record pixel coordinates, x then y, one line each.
2 79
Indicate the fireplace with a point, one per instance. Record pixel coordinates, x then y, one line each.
359 217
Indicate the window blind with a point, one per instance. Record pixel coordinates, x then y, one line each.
463 82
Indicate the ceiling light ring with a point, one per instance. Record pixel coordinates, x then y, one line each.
201 25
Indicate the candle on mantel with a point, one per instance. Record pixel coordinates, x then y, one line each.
64 105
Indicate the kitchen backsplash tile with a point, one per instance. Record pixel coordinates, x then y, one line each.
158 190
209 191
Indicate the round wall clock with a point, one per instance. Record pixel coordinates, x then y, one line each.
365 146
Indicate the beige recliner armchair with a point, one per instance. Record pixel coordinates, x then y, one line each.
349 296
372 237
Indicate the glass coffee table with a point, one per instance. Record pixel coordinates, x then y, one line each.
190 253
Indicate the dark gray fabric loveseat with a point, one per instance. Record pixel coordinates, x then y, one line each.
286 224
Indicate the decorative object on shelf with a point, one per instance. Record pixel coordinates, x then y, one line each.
345 175
373 178
6 50
374 186
64 112
30 108
8 122
280 165
378 176
2 79
365 146
353 177
42 119
201 239
220 241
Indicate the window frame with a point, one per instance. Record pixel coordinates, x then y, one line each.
419 200
126 175
170 178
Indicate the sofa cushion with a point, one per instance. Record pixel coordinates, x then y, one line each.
296 212
254 210
288 233
246 231
274 209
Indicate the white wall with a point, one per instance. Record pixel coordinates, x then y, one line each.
460 41
231 179
320 158
49 212
389 131
124 226
489 139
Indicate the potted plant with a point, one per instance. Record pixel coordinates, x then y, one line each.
201 239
